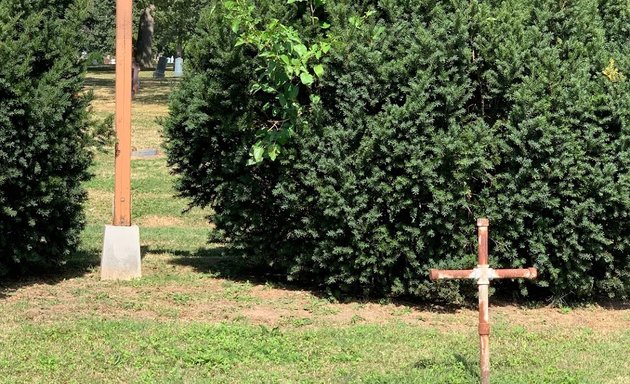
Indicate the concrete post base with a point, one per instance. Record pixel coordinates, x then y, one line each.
121 253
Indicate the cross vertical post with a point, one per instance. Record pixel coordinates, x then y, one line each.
484 314
483 274
121 244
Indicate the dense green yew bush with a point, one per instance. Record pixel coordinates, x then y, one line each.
432 114
43 132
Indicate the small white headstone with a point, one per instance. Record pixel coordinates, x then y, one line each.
179 67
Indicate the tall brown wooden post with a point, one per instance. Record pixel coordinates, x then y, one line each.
121 246
122 188
483 274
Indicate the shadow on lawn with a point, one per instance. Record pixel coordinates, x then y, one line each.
216 262
150 89
470 366
151 97
99 83
83 262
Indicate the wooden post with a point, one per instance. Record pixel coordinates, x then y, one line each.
121 243
122 184
483 274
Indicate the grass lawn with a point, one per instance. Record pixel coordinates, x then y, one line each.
197 317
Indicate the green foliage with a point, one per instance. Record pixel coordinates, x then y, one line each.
44 132
559 190
431 114
100 27
286 68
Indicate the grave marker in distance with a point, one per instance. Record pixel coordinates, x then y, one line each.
179 67
161 68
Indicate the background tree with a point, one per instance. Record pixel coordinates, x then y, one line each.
100 26
176 21
161 26
164 27
144 41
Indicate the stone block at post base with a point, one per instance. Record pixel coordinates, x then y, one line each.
121 253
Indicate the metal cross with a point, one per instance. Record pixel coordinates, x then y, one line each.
483 274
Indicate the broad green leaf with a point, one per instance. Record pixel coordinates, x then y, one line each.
306 78
236 24
319 70
258 152
293 91
273 151
255 88
300 49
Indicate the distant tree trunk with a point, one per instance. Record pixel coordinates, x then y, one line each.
144 43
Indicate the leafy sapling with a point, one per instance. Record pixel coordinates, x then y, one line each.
286 67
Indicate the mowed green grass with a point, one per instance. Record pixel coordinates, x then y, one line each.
199 317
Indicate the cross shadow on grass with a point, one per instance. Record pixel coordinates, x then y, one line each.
80 264
217 262
471 367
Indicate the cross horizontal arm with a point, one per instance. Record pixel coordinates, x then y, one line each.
439 274
449 274
528 273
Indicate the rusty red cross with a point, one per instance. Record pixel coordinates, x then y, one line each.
483 274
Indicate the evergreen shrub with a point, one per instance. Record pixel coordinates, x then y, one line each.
44 132
432 114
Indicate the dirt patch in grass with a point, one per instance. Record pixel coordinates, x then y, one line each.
169 291
593 317
153 221
172 292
